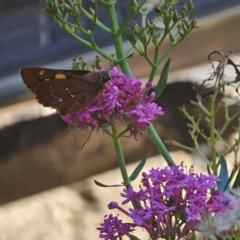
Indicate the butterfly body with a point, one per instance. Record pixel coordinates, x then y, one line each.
64 90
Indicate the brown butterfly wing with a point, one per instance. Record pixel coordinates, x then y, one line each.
32 76
68 93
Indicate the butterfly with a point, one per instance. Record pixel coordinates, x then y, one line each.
64 90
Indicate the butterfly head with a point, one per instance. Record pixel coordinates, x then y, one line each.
106 76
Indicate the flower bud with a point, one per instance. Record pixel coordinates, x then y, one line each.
173 3
148 85
92 11
112 205
67 28
179 26
154 41
185 11
76 9
184 14
136 28
157 35
152 95
66 17
98 63
71 3
128 30
85 66
55 4
61 5
143 37
183 27
187 25
175 17
171 37
168 14
133 39
59 14
150 24
190 6
74 64
194 22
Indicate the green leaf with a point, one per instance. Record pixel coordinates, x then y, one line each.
237 180
103 185
223 184
139 168
193 236
133 237
163 80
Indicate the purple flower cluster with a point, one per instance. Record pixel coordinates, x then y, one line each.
171 202
113 228
123 99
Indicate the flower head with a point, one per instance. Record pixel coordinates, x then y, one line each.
170 199
112 228
122 99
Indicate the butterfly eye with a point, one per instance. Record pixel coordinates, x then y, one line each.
106 76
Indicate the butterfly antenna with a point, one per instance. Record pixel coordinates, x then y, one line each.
122 89
127 57
127 92
122 60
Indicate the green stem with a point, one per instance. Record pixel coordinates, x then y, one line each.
179 145
160 146
121 162
165 54
130 16
81 40
152 74
212 131
144 18
91 45
121 134
117 39
198 150
98 23
201 106
154 65
120 157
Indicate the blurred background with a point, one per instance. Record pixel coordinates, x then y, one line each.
46 182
